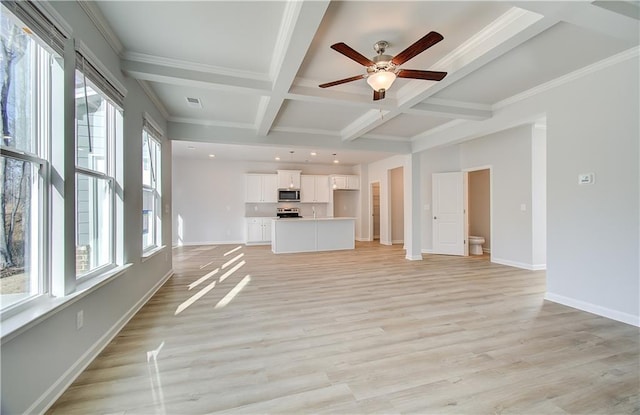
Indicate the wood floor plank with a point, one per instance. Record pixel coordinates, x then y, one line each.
362 331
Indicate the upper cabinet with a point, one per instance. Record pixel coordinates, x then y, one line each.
345 182
314 188
261 188
289 179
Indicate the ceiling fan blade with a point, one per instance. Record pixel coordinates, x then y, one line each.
378 95
352 54
428 75
418 47
341 81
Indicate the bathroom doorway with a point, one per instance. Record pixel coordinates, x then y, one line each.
479 210
375 211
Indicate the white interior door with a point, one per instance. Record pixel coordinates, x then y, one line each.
448 200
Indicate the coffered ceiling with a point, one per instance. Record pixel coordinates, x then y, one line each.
255 67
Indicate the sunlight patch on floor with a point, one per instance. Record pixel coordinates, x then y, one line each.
232 294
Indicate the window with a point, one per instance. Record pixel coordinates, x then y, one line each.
27 75
151 190
97 129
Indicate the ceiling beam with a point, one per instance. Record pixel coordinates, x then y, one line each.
451 109
248 136
300 23
160 71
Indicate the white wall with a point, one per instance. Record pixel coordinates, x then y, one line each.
539 194
397 205
208 198
593 230
40 362
509 155
379 171
593 238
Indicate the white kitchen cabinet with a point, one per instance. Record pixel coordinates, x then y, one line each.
261 188
289 179
314 188
345 182
258 230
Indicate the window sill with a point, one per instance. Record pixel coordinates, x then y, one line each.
45 307
152 252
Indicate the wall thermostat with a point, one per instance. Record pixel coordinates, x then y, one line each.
586 178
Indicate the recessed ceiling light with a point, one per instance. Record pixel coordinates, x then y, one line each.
212 156
336 161
313 153
277 158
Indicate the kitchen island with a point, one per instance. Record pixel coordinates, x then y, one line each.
312 234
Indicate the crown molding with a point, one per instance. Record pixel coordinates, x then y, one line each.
100 22
572 76
211 123
154 98
313 131
192 66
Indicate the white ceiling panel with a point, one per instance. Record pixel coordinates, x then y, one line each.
227 34
316 116
361 24
216 105
407 125
559 50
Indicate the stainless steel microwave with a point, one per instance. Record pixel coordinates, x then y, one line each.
288 195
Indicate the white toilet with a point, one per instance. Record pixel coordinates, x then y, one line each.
475 245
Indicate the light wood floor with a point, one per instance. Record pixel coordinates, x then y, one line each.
362 331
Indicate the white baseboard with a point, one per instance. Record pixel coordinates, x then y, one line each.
515 264
212 243
414 257
594 309
427 251
397 241
538 267
51 395
364 239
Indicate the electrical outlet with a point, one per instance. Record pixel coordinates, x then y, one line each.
79 319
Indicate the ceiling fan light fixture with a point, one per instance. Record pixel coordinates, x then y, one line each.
381 80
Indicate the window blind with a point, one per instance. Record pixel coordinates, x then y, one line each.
99 80
38 23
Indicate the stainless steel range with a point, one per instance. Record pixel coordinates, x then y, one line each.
288 213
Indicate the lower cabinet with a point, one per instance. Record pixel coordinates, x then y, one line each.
259 230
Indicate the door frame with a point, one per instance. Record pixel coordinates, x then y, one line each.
371 228
466 218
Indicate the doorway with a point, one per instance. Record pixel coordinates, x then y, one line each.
375 211
479 207
396 205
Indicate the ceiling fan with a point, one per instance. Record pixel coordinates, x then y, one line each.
383 69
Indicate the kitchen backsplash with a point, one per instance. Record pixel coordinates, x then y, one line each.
269 209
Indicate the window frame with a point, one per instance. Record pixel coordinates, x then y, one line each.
41 59
152 135
112 135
